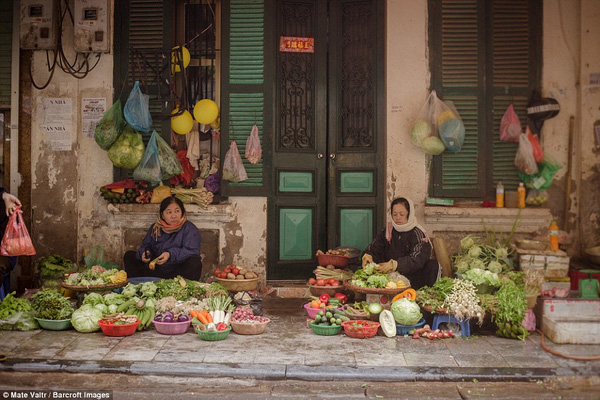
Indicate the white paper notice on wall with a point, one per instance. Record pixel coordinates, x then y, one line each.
56 121
595 79
92 110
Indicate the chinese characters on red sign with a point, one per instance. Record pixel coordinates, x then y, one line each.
293 44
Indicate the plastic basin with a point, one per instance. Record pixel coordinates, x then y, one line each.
405 329
172 328
213 335
325 330
118 330
54 324
312 312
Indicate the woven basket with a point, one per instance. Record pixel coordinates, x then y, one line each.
364 290
333 259
239 285
368 330
213 336
96 288
325 330
330 290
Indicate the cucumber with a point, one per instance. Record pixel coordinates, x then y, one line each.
324 324
332 320
328 314
317 318
341 316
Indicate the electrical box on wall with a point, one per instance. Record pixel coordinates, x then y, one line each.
38 24
91 26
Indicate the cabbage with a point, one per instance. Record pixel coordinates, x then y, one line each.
85 319
495 266
406 312
433 145
420 131
128 150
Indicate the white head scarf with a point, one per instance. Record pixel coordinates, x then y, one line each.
409 225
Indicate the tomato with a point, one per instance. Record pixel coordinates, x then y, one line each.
227 270
312 281
223 275
235 271
217 272
331 281
335 283
320 282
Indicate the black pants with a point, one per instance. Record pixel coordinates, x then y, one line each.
426 276
190 269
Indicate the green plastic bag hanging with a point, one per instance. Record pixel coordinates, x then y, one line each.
542 180
110 126
149 168
169 162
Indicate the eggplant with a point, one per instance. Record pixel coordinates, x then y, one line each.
182 318
158 318
168 318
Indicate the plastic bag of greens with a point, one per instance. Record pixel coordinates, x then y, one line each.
233 167
110 126
137 109
543 179
167 158
149 168
128 150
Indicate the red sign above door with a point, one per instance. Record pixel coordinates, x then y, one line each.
293 44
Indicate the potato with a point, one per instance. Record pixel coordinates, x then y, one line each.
242 271
230 276
239 277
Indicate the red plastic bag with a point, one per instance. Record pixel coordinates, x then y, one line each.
187 176
538 153
510 125
16 240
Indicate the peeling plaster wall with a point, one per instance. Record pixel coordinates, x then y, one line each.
407 80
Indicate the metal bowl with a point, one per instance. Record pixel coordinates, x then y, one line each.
527 244
593 254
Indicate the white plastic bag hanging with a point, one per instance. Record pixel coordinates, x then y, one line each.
253 150
524 159
233 167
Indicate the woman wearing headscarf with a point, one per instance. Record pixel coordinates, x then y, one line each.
171 246
404 247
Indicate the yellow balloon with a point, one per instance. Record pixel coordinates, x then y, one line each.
182 124
206 111
175 59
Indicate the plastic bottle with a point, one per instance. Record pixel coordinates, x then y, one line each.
500 195
521 195
554 236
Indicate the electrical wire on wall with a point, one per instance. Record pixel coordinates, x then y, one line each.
79 68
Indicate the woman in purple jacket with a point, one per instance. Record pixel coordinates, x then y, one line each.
171 246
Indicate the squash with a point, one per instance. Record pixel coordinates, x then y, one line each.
388 323
408 293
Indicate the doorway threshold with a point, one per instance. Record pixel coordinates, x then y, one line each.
286 289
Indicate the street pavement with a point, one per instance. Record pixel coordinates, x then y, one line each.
288 360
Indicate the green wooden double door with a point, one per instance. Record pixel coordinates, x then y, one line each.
328 160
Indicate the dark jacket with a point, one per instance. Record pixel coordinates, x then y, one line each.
411 249
181 245
3 217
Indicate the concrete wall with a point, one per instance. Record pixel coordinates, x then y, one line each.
69 216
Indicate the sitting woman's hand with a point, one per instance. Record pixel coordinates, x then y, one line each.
11 202
163 258
146 256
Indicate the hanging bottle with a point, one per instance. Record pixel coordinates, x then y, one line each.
521 195
500 195
554 236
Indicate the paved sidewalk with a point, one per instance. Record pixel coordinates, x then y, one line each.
288 350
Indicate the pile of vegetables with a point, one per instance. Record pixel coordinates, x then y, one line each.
367 277
512 306
96 276
55 267
245 315
86 317
463 303
330 318
475 254
235 272
50 304
16 314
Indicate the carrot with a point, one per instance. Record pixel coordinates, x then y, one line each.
207 316
200 316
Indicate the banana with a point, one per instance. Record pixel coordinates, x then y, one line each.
125 305
131 311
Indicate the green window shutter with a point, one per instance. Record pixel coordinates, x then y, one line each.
485 56
243 89
6 16
143 25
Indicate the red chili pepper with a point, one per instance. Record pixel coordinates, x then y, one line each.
221 326
342 297
324 298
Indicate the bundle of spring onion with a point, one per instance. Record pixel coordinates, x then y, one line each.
335 273
200 196
220 308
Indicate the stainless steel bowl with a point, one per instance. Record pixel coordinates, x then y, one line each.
593 254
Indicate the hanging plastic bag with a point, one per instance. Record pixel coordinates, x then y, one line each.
149 168
16 240
128 150
538 153
187 176
543 179
110 126
233 167
450 127
424 125
524 159
510 125
137 109
536 197
253 149
169 163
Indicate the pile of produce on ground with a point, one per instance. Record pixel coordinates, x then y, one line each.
235 272
367 277
96 276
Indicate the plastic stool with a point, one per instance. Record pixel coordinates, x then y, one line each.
465 326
